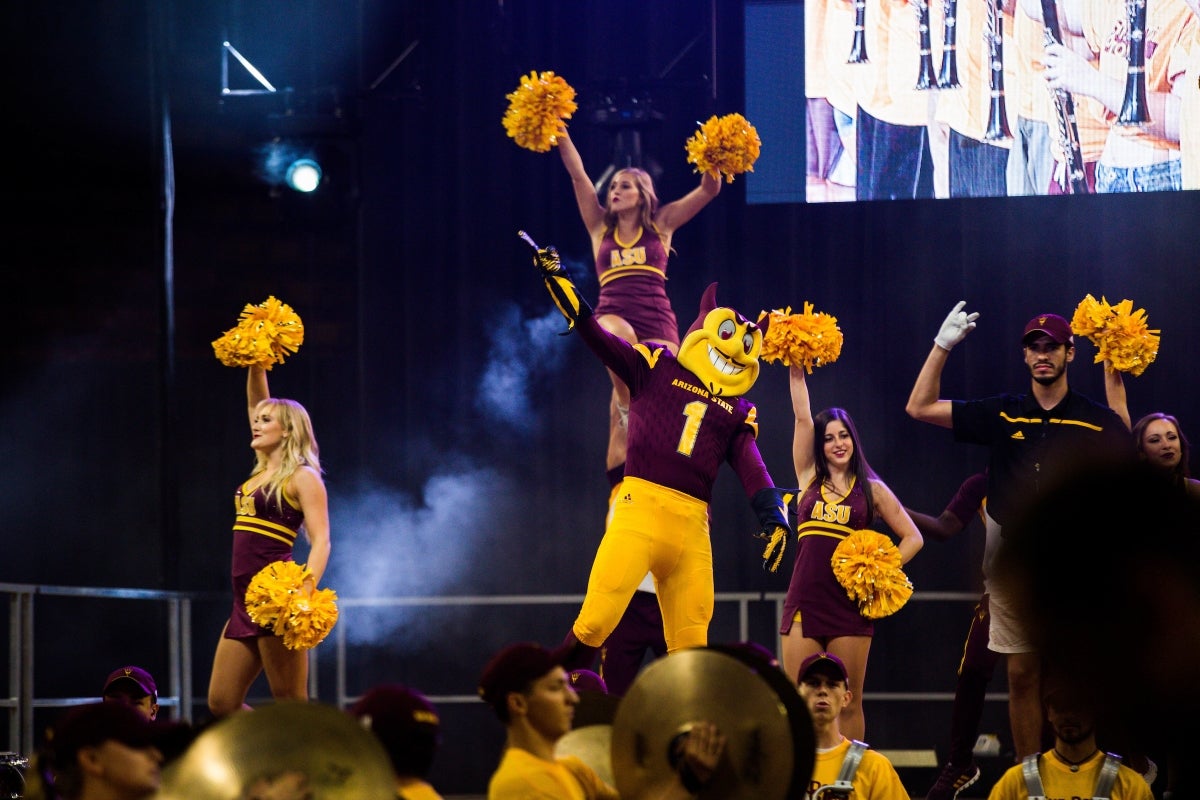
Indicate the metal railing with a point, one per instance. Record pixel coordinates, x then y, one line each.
21 699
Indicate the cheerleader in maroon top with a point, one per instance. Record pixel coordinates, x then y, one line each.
264 531
839 494
631 241
284 492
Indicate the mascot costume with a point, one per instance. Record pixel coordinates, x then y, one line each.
686 416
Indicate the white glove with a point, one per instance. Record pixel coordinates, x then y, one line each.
956 327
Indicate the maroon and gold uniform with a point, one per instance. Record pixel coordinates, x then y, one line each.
633 280
679 434
686 417
263 532
683 431
823 520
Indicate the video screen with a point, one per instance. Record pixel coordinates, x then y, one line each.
910 99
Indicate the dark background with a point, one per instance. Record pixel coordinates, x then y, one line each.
463 439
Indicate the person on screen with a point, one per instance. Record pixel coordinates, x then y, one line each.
1141 152
824 146
977 163
1189 110
1030 164
1091 118
894 160
829 86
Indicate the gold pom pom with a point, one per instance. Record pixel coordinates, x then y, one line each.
804 339
1090 317
1121 335
275 599
270 593
265 334
727 146
536 110
867 565
309 619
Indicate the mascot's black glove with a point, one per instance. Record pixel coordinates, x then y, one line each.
770 507
562 290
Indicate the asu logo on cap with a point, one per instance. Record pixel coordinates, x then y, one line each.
1051 325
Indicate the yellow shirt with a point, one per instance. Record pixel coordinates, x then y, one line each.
837 34
523 776
1059 781
1028 92
876 778
967 109
886 87
1170 29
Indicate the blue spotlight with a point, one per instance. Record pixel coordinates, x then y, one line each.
287 163
303 175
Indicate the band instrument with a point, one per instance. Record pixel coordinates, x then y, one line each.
997 124
770 745
948 72
925 76
286 749
1064 111
1134 110
858 45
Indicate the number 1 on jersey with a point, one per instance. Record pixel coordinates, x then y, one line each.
694 413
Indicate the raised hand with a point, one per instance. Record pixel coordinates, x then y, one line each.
561 289
956 327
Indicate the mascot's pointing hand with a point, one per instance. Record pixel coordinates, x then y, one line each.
562 290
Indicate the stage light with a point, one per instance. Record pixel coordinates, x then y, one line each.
303 175
627 119
290 163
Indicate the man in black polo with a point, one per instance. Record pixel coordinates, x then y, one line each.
1034 438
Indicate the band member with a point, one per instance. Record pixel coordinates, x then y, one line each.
1091 118
1189 111
1030 163
1143 157
977 159
824 147
829 86
841 76
894 159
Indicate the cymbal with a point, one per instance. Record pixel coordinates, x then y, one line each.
803 735
770 745
593 745
284 751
